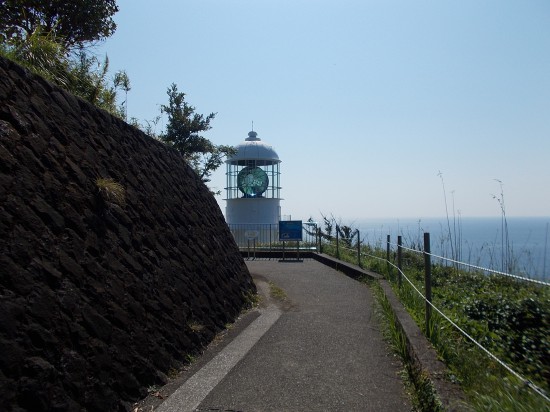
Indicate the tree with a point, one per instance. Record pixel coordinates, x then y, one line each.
183 133
76 22
205 163
184 125
346 233
48 37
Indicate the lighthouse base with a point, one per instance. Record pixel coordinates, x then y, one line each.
260 210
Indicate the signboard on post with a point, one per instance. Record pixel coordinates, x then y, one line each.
290 230
251 234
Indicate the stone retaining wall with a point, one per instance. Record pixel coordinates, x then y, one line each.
99 300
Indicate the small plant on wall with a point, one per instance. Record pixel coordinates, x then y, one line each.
111 191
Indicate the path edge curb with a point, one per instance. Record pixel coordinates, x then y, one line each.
420 350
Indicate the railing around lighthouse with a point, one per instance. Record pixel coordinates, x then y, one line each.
265 237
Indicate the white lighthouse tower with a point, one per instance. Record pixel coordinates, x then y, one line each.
253 185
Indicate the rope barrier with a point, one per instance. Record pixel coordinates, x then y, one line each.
531 385
527 382
496 272
406 248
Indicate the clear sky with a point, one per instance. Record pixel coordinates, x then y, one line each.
364 101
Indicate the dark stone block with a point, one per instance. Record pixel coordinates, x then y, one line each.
50 274
17 119
96 324
75 172
71 268
48 214
8 162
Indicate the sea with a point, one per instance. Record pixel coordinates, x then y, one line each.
517 245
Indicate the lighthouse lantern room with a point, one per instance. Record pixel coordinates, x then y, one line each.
253 184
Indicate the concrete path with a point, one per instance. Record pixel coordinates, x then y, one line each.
321 350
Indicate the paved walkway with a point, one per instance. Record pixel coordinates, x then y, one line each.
321 350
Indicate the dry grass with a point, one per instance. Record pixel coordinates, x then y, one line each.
276 292
196 326
111 191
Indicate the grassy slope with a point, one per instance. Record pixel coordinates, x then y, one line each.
508 317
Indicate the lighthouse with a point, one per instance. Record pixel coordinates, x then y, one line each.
253 191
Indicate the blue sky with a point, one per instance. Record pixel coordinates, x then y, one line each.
364 101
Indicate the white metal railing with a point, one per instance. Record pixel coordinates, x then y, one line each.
265 236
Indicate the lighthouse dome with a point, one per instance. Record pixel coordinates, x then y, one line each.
254 149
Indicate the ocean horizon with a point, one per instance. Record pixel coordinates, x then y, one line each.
481 241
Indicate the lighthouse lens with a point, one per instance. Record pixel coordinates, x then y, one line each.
252 181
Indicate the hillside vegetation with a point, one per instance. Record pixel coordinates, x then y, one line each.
510 318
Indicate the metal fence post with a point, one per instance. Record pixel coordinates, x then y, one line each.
428 279
388 256
358 249
399 260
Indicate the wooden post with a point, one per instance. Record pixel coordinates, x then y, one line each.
337 244
428 279
399 260
388 256
358 249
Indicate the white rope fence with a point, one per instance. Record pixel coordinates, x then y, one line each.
496 272
530 384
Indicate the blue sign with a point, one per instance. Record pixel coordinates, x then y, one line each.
290 230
